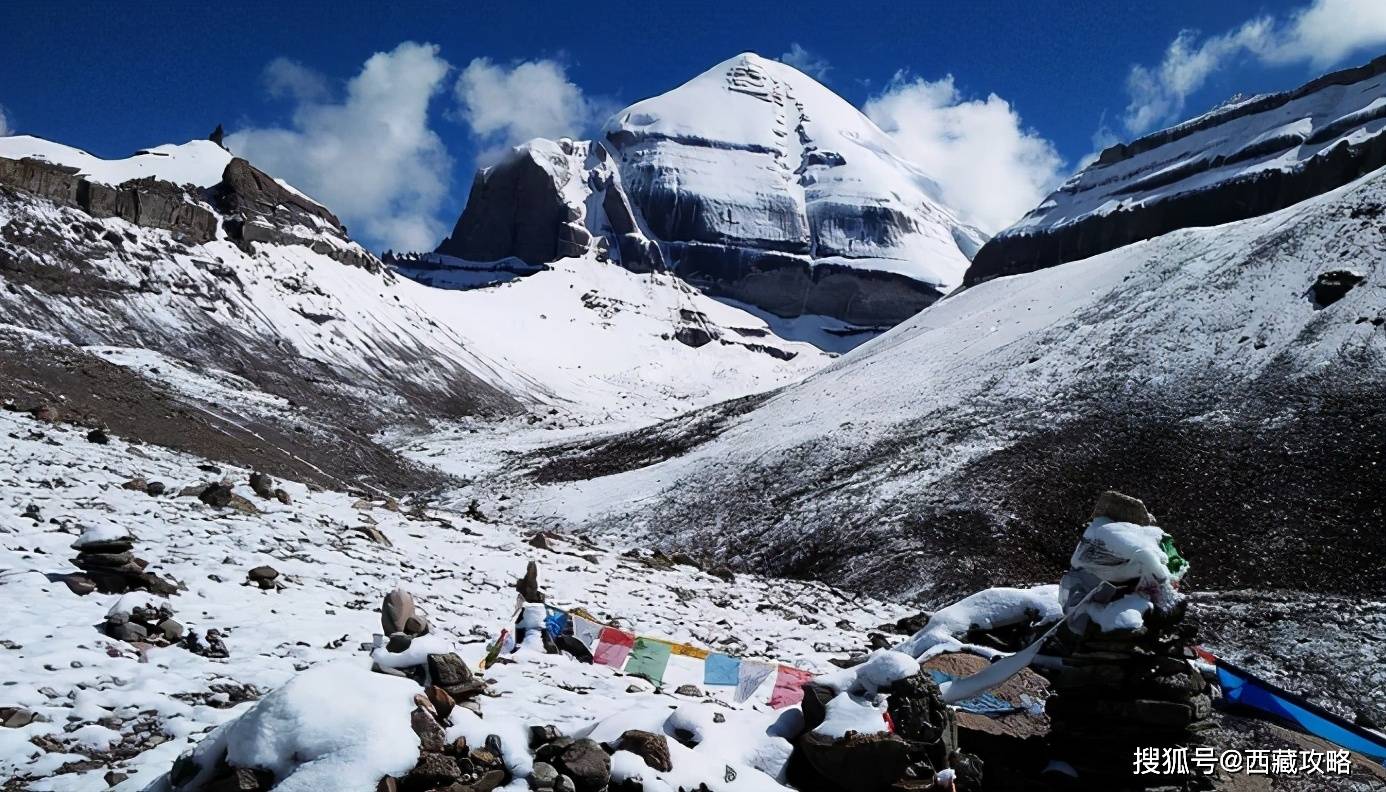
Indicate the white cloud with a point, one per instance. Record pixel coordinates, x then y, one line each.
505 105
989 167
371 157
285 78
1319 34
4 123
807 62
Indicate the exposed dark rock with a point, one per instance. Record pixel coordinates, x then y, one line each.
586 763
695 337
1331 286
448 670
217 494
1257 192
262 485
266 577
653 748
396 610
528 585
514 209
145 202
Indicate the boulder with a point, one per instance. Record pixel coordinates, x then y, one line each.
586 764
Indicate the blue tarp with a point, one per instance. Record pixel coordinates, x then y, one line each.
1241 687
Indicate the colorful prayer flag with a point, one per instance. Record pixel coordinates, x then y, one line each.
613 646
556 622
720 669
748 678
586 630
1241 687
789 686
689 650
648 659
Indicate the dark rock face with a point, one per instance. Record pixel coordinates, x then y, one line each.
514 210
145 202
1041 244
1333 285
260 209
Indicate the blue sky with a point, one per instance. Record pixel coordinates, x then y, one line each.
1040 83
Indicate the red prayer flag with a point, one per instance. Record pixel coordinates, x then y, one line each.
612 647
789 686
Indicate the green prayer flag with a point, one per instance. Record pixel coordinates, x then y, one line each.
648 659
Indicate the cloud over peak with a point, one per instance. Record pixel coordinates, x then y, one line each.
989 166
370 157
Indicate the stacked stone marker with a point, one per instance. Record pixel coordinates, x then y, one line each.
1120 691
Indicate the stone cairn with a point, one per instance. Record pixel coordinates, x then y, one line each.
109 566
912 758
447 685
146 621
1119 691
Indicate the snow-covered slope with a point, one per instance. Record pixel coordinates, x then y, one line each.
1244 159
104 705
245 276
197 162
785 197
1216 373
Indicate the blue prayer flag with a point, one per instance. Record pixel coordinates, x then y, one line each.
1241 687
720 669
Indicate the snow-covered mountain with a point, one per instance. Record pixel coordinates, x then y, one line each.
1243 159
213 273
1229 376
752 181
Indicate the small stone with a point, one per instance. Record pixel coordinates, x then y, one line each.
653 748
218 495
489 781
587 764
16 717
426 726
155 489
396 610
262 485
688 690
387 784
1121 508
542 735
98 436
441 700
433 769
448 670
114 777
81 585
282 496
565 784
416 624
398 642
128 632
544 776
171 630
136 484
263 576
528 586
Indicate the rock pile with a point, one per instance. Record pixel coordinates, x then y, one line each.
1119 690
142 619
921 753
564 764
452 766
108 565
